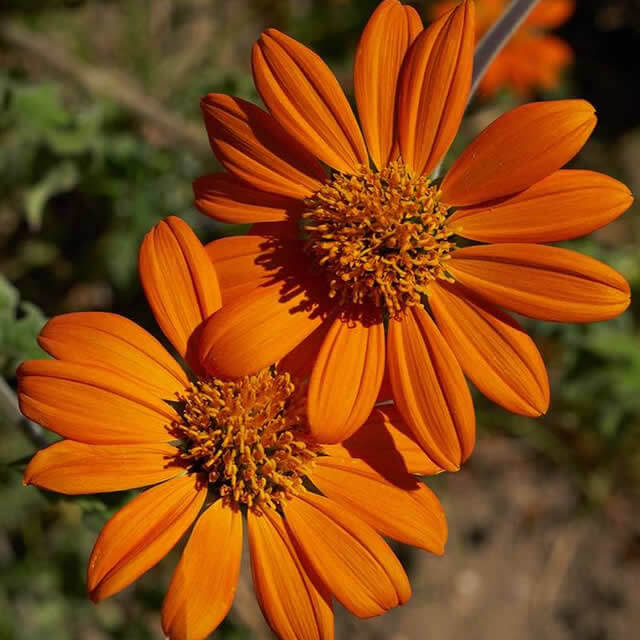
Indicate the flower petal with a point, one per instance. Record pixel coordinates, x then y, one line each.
390 31
179 281
294 605
542 282
113 342
531 62
92 405
305 98
77 468
204 582
396 506
521 147
349 557
385 395
286 231
245 263
253 332
224 197
141 534
300 360
430 390
433 88
251 144
346 378
564 205
492 349
551 14
386 444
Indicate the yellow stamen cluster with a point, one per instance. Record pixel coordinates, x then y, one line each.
248 436
381 235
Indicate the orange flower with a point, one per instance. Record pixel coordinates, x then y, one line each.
532 58
348 256
214 449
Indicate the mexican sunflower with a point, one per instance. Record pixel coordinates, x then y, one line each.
532 58
216 449
361 265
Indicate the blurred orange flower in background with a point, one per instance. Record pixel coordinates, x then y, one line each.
342 265
215 449
532 58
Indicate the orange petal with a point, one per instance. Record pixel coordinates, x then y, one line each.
521 147
204 582
498 75
434 88
430 390
564 205
385 395
553 53
141 534
76 468
542 282
441 7
550 14
386 444
349 557
245 263
179 281
91 405
300 360
113 342
305 98
224 197
492 349
287 230
346 378
253 332
395 505
293 604
390 31
251 144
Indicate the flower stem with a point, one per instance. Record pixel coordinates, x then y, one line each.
497 37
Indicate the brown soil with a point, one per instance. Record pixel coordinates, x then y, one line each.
524 561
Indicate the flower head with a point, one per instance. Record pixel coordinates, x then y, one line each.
360 267
217 449
532 59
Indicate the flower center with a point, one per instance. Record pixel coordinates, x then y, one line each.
248 436
380 235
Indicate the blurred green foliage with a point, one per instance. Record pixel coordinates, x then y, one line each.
592 429
90 153
20 323
82 179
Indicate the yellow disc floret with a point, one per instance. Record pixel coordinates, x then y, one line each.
381 236
247 437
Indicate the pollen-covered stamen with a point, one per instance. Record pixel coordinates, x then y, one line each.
381 235
248 436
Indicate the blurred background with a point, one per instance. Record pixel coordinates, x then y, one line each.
100 137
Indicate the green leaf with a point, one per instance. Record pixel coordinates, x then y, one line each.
61 178
40 107
20 324
8 298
